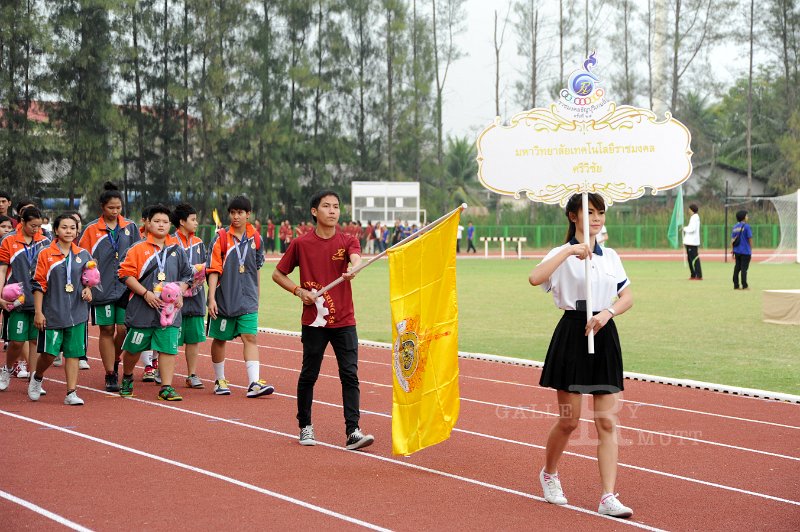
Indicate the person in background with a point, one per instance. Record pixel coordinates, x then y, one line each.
742 249
60 308
233 267
5 203
471 238
6 225
19 252
107 239
459 236
602 237
269 242
691 241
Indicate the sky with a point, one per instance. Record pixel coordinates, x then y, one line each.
469 89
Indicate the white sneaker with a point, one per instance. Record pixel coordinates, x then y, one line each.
307 436
551 485
72 399
22 370
610 505
58 361
83 364
5 379
34 389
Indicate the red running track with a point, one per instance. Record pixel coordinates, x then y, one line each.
690 459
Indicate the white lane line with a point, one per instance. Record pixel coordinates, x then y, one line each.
536 386
205 472
636 429
512 383
61 520
320 443
463 431
663 435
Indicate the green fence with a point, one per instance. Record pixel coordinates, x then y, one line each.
620 236
630 236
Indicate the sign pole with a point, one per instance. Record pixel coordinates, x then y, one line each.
588 268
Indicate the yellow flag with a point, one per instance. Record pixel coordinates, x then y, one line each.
422 289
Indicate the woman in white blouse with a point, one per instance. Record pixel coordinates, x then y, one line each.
568 367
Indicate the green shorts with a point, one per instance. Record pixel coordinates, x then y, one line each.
225 328
161 339
108 314
71 340
192 331
20 328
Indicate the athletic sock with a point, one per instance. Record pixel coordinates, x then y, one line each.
219 370
252 370
40 378
147 358
129 377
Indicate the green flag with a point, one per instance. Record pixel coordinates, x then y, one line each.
676 222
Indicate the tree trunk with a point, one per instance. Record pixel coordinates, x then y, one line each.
140 163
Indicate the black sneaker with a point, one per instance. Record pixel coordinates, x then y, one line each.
358 440
112 382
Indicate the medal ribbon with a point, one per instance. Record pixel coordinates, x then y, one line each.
69 266
242 244
113 237
161 259
30 250
188 249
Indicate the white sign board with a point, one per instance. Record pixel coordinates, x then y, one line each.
584 143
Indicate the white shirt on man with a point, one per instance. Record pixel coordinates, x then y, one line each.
691 233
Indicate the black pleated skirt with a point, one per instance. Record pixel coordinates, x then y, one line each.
568 365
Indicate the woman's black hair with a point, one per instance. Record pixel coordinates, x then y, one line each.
181 212
4 218
110 191
24 202
741 215
317 198
76 215
61 217
694 208
575 204
159 209
29 213
240 203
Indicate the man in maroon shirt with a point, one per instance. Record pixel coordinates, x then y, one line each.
323 255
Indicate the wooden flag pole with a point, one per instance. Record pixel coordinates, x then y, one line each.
383 253
588 268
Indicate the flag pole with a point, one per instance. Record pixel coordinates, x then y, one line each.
383 253
588 269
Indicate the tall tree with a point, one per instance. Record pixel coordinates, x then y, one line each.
448 23
81 81
528 29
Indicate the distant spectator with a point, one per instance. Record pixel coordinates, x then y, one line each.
691 241
742 249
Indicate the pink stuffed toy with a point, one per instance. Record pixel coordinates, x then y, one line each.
169 294
197 281
13 293
91 275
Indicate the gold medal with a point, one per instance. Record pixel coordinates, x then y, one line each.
241 268
161 276
116 255
68 288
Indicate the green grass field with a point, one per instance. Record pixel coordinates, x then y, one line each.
697 330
